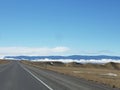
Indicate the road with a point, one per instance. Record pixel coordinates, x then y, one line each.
17 76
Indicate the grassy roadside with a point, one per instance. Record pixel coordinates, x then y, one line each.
2 61
96 74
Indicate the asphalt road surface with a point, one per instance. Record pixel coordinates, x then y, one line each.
17 76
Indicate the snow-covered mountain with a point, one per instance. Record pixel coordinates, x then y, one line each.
72 58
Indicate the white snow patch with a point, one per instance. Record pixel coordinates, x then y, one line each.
102 61
110 74
56 60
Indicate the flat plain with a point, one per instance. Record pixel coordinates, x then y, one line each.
107 74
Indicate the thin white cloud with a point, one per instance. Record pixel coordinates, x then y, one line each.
4 51
60 49
96 52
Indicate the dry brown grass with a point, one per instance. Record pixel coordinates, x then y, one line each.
89 73
2 61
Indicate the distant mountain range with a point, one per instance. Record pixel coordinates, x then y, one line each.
73 57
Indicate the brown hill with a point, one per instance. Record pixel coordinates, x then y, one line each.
73 64
113 65
110 65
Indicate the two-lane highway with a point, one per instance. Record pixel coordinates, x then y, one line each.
14 77
17 76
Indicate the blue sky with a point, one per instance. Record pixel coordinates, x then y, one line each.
79 26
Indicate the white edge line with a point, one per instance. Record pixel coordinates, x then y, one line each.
37 78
